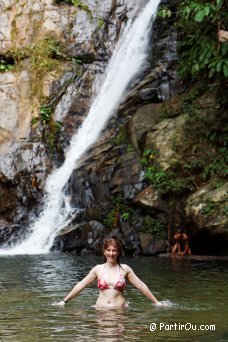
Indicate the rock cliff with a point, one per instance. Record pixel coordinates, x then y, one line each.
144 175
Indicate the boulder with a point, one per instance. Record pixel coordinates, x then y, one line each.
152 245
164 136
86 236
150 201
207 208
143 121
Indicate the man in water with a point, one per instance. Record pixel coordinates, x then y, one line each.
181 246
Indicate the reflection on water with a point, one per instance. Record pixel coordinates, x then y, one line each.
29 285
111 324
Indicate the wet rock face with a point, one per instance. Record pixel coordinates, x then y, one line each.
91 41
7 198
81 238
88 36
9 233
164 54
15 106
111 167
45 16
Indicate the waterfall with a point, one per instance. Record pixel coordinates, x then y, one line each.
125 63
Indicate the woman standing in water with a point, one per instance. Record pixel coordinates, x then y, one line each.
111 280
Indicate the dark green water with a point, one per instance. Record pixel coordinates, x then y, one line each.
30 284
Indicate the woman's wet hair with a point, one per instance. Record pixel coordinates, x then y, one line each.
114 241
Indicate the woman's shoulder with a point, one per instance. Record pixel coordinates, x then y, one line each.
98 268
125 267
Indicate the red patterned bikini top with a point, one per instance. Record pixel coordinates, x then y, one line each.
103 285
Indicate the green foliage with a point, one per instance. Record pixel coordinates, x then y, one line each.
148 156
154 227
201 53
82 6
166 182
100 23
51 136
1 196
126 216
58 126
164 12
220 138
34 121
208 208
77 60
205 148
225 210
45 113
51 128
214 168
217 184
202 165
44 56
121 137
201 10
130 148
4 66
79 4
109 220
120 208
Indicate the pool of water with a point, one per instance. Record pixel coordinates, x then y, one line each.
29 285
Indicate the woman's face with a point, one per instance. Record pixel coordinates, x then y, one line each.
111 253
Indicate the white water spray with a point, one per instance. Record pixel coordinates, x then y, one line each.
127 59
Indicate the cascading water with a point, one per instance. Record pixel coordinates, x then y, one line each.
127 59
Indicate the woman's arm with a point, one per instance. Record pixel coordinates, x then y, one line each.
140 285
81 285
